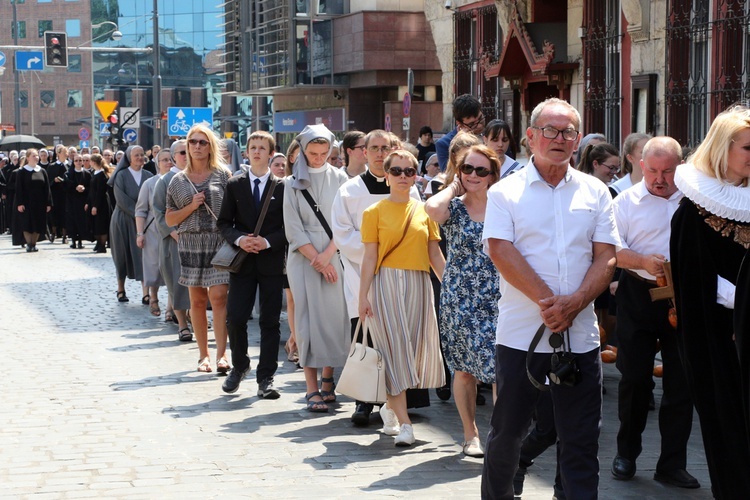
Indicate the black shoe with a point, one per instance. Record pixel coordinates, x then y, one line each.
622 468
80 244
34 249
232 382
361 416
518 480
680 478
73 245
481 401
444 393
559 493
267 390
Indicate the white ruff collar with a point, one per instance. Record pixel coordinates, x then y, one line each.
718 197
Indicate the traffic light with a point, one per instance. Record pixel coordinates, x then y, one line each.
55 49
115 131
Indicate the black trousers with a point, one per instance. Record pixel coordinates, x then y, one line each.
542 436
240 302
640 323
577 414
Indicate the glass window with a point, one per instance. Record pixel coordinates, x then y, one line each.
47 98
21 29
74 63
23 96
44 1
44 26
17 1
75 99
73 27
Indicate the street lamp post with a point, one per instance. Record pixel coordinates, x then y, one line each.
156 101
113 34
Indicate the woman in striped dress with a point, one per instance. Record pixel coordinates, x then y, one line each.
396 293
193 202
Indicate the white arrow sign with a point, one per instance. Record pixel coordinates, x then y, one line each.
181 115
31 62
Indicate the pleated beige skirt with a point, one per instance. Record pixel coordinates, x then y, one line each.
404 328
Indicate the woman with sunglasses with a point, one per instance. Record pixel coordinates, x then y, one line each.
600 160
77 181
470 288
193 204
395 294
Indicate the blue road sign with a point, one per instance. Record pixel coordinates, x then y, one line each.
179 120
83 144
30 60
2 59
104 129
130 135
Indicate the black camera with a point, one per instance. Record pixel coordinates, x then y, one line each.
564 369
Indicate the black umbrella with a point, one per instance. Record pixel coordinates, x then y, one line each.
20 141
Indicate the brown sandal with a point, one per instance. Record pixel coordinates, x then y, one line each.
154 308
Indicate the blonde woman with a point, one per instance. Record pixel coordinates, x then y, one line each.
194 199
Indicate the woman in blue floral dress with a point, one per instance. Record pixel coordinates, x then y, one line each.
468 301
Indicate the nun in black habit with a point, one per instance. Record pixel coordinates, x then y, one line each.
32 199
77 183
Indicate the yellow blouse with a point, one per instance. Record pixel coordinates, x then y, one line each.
384 222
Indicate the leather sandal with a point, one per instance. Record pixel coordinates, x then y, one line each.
154 308
146 300
316 406
328 396
185 335
222 366
121 297
204 365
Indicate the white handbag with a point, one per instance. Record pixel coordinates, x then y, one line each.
363 376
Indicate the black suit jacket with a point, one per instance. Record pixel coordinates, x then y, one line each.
238 217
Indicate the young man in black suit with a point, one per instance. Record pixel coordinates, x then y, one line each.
262 269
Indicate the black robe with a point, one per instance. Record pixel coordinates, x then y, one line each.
99 199
32 191
699 253
76 221
57 170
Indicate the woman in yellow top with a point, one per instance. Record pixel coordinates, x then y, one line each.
396 293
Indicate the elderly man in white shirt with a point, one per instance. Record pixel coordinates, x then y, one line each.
550 231
643 214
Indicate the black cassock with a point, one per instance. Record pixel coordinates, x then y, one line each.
32 191
57 216
703 246
99 199
76 222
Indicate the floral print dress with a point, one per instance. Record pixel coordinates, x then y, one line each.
468 300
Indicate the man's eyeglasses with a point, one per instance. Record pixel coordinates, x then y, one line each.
362 147
467 169
613 168
472 125
569 134
195 142
397 171
381 149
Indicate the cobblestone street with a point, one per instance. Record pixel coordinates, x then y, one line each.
101 400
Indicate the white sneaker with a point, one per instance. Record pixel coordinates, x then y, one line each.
390 421
473 448
406 436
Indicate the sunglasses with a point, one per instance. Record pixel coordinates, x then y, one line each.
397 171
195 142
183 152
481 171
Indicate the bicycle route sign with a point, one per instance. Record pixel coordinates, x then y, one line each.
179 120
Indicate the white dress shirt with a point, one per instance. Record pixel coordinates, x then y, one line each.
554 229
644 222
261 187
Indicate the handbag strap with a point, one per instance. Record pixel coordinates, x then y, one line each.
532 347
366 337
204 203
406 229
266 202
317 212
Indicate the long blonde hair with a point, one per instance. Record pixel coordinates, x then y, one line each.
215 154
713 153
460 143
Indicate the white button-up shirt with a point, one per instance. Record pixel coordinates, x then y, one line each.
554 229
644 222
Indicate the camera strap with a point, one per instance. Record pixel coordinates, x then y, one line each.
532 348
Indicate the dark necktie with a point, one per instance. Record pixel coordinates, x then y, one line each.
256 193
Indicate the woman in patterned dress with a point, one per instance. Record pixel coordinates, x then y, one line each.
395 292
193 202
470 290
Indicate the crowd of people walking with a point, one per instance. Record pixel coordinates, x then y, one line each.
462 264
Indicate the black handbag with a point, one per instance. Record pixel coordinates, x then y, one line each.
230 257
